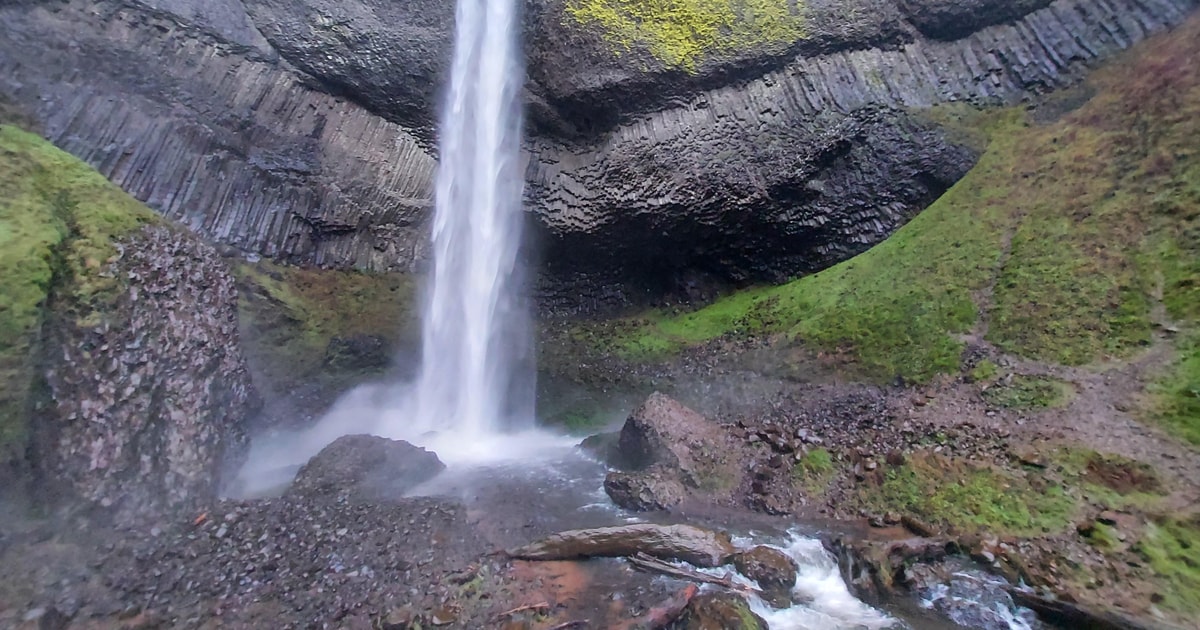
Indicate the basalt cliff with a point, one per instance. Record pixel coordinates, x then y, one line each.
669 147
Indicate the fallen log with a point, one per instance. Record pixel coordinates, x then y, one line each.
695 545
649 563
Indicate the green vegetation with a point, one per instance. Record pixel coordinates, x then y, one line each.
1103 537
1178 395
985 371
969 498
1029 392
59 220
1172 548
814 471
289 315
1109 481
681 33
1073 229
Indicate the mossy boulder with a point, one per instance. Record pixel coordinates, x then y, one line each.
124 383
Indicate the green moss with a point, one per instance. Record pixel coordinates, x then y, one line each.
1177 395
58 222
1071 230
1109 481
973 498
1103 537
1029 392
814 471
1172 548
682 33
289 314
986 370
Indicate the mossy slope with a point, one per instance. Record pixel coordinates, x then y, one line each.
289 315
1063 236
59 220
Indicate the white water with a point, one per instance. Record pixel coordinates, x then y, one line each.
826 601
474 379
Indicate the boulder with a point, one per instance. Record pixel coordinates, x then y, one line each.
719 611
699 546
364 467
147 392
774 570
663 432
656 489
670 452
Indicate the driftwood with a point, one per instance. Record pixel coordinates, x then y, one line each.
649 563
695 545
542 607
578 623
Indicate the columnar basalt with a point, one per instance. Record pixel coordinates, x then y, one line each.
301 129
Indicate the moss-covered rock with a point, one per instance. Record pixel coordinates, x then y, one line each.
123 377
680 33
58 219
319 330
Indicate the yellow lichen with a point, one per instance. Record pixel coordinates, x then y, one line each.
681 33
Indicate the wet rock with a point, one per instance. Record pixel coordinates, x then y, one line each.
774 570
148 390
1070 615
655 489
358 352
699 546
719 611
670 447
365 467
604 446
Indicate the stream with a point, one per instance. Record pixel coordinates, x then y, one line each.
522 487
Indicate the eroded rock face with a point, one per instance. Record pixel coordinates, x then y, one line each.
147 395
364 467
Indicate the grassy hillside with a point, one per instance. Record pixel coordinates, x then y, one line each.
58 221
1063 237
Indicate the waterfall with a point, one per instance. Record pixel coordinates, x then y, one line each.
475 377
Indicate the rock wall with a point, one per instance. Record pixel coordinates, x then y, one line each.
147 394
301 129
811 163
195 115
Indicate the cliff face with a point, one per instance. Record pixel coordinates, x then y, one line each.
786 140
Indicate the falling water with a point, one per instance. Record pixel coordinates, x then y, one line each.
474 378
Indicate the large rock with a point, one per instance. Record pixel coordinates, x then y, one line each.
670 452
699 546
663 431
719 611
147 390
774 570
655 489
365 467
